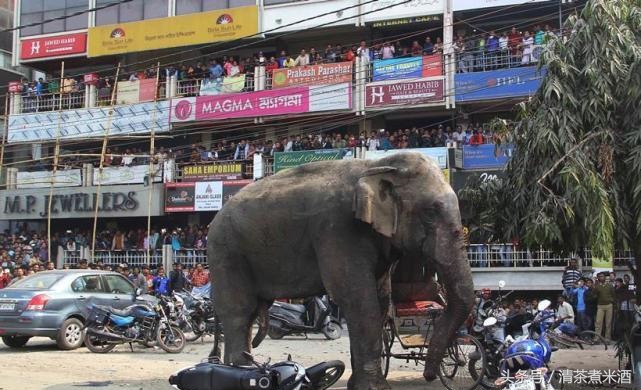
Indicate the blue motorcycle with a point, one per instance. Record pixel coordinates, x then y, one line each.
525 363
145 323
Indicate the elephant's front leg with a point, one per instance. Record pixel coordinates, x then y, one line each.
358 298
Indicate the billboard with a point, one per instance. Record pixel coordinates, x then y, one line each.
214 171
89 122
486 156
46 179
200 196
407 68
53 46
421 91
183 30
134 174
460 5
293 100
130 92
460 179
498 84
313 74
378 10
284 160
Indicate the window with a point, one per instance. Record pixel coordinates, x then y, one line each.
184 7
116 284
36 11
41 281
131 12
87 284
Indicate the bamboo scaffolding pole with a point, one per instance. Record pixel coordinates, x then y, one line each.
102 161
56 154
152 145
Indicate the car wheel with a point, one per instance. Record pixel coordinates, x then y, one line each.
15 341
70 335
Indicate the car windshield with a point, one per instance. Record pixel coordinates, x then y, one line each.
41 281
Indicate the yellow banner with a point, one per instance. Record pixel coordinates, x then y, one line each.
184 30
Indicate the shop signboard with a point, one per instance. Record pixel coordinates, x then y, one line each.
53 46
284 160
89 122
113 201
135 174
200 196
335 73
407 68
461 179
395 9
293 100
420 91
438 154
215 171
486 156
184 30
498 84
406 21
46 179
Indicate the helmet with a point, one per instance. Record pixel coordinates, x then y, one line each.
524 355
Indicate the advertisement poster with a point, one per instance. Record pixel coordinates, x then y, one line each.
313 74
46 179
179 197
284 160
130 92
134 174
184 30
293 100
407 68
209 196
497 84
421 91
219 171
55 46
486 156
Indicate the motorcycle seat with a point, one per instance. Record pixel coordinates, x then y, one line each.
291 307
126 312
417 308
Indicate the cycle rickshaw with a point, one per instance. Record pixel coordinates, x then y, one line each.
406 336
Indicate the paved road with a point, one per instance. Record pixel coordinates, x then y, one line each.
40 365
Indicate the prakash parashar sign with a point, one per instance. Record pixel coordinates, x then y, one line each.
113 201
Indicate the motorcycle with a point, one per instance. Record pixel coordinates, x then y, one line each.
313 316
287 375
197 316
146 323
525 362
494 349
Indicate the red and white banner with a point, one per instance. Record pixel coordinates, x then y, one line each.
53 46
418 91
294 100
131 92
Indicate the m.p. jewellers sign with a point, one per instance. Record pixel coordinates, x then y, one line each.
116 202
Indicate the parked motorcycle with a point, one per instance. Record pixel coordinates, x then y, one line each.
197 317
144 322
313 316
287 375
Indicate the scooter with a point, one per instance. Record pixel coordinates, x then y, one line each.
287 375
287 318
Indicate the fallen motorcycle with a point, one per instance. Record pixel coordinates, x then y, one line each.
145 323
197 316
287 375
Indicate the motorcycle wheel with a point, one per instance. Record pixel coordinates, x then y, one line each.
191 332
275 333
332 330
96 346
171 339
324 375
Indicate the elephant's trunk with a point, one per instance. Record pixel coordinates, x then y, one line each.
454 274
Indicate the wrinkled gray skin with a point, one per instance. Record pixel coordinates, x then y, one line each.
337 227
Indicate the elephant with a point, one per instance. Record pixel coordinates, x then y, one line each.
338 227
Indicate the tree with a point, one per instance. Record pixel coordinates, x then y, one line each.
575 178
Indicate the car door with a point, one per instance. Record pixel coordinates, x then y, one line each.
121 291
89 289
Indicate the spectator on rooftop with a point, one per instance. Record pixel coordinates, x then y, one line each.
387 51
416 49
363 53
527 46
428 46
302 59
330 53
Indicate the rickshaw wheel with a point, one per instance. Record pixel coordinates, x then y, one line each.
463 364
386 351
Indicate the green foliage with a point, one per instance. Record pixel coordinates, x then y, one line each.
575 179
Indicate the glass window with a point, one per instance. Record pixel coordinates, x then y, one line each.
31 6
107 15
76 22
42 281
28 19
210 5
56 25
116 284
87 284
188 7
156 9
241 3
131 12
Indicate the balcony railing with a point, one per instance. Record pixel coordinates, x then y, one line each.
52 101
484 60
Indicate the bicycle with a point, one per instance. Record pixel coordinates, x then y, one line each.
586 338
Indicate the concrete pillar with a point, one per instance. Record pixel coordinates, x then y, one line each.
172 86
260 78
258 166
15 104
12 178
359 88
167 257
87 175
36 152
449 56
91 94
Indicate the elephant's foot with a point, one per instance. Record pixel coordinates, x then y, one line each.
362 382
431 370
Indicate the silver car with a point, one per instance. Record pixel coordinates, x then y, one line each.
51 304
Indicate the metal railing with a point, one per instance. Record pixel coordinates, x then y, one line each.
192 87
484 60
51 102
189 257
131 257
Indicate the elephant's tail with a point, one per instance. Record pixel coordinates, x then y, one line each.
263 323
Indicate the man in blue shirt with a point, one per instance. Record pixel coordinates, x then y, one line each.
215 70
579 293
161 282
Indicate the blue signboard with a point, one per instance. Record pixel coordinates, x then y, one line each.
397 68
496 84
484 156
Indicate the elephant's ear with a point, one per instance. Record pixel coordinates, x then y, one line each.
375 202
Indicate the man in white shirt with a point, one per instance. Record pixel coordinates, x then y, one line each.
387 51
302 59
363 52
564 313
372 142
